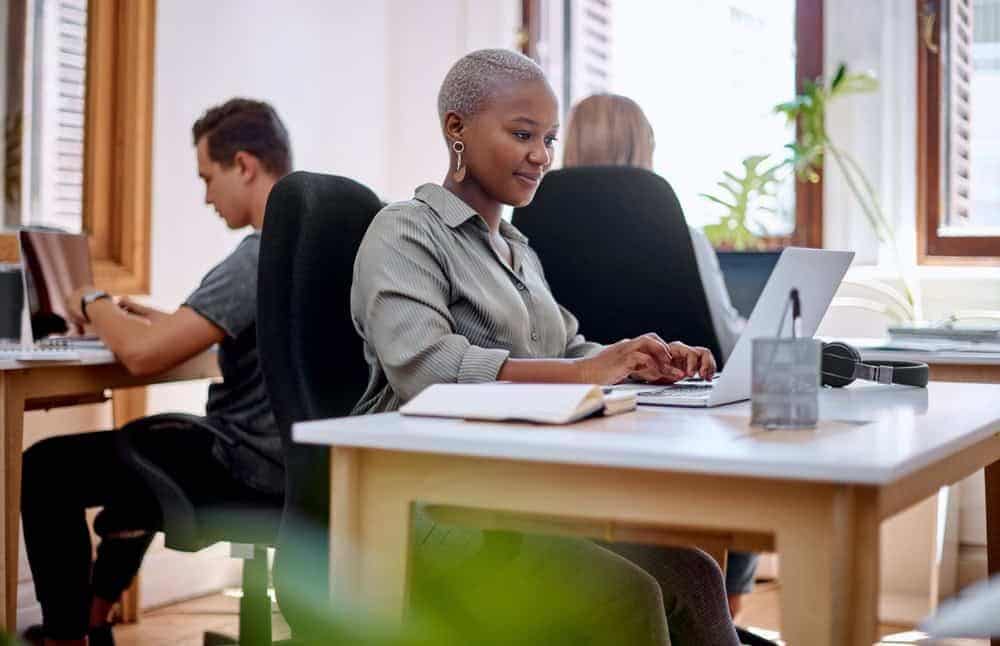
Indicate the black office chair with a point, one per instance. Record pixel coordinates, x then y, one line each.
193 520
312 361
617 253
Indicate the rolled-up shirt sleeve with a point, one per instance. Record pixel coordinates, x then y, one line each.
400 305
576 345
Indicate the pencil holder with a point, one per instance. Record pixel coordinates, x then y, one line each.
785 384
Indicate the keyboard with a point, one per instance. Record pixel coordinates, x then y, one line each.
677 391
36 353
678 388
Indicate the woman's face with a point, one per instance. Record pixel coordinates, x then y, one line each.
508 145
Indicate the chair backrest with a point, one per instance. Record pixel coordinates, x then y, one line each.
746 273
617 253
310 353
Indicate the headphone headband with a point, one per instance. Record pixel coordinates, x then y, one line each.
842 364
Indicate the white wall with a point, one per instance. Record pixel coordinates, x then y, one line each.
291 55
424 39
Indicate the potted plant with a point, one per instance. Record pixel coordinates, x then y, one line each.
736 231
738 237
813 144
741 197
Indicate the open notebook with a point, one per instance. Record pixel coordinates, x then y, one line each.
544 403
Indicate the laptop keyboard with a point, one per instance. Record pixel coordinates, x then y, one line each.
677 390
38 353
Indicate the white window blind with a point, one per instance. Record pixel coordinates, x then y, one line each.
574 47
958 93
58 107
589 47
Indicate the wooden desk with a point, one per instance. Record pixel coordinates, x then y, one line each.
32 386
816 497
912 587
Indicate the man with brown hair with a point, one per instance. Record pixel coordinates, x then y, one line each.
233 452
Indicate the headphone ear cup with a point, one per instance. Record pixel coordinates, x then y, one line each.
837 365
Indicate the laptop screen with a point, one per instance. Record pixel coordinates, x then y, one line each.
55 263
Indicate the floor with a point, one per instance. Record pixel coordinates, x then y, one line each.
182 624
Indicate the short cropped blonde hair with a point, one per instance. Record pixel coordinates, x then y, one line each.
608 130
473 81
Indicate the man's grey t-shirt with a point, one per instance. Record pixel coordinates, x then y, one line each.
239 406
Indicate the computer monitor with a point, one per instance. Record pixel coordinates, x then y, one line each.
746 273
54 264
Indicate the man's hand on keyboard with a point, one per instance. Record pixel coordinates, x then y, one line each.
73 304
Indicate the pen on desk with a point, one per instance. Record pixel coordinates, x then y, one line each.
796 313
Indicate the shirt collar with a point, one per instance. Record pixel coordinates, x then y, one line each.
455 212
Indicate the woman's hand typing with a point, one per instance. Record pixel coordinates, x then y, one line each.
645 358
692 360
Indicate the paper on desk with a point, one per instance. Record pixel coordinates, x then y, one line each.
935 345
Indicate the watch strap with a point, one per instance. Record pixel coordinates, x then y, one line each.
89 298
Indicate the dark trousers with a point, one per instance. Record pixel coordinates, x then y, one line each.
64 476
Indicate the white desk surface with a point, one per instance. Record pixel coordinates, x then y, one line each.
868 434
930 357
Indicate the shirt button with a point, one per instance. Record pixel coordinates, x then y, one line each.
521 287
534 336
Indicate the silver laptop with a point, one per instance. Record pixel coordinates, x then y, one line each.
816 273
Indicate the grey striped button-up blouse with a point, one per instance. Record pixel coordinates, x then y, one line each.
434 303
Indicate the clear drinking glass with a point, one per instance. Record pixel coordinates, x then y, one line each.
786 381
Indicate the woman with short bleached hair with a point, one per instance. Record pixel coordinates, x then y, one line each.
446 291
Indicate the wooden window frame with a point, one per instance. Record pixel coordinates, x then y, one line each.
808 66
118 144
933 249
118 141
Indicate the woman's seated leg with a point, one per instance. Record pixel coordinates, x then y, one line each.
694 592
512 588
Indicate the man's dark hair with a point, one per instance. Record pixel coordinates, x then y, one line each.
247 125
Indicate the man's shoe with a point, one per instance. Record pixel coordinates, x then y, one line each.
747 638
101 636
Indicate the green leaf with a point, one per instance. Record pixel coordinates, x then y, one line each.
839 76
712 198
734 191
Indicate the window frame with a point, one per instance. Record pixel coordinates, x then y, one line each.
934 249
118 141
808 230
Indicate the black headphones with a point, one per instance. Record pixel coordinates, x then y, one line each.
842 364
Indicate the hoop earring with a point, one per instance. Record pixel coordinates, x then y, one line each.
459 173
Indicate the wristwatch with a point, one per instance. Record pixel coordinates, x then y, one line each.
89 298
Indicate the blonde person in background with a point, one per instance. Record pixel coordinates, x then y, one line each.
612 130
